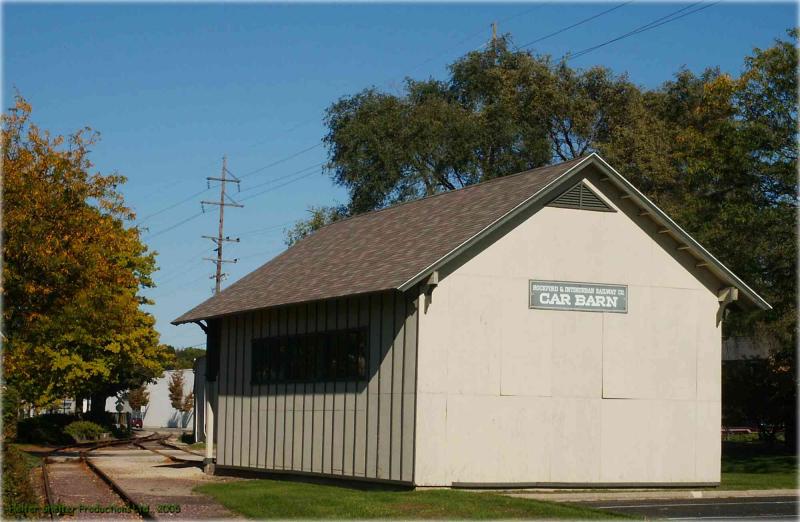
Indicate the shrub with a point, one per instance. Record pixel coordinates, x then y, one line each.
17 486
84 430
45 429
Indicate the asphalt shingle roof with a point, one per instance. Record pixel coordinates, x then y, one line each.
378 250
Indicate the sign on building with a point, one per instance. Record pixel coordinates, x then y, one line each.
583 297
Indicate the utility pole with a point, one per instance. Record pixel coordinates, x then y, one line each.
224 201
494 32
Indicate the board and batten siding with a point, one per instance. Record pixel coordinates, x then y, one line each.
348 429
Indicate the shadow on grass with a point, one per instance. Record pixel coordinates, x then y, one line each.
757 457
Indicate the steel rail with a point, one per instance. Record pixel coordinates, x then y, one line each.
166 455
48 493
92 445
126 498
176 447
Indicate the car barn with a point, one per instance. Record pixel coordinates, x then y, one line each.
549 328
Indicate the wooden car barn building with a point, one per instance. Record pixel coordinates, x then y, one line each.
553 327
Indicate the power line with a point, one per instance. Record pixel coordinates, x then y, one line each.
184 269
279 178
671 17
251 196
169 275
265 229
576 24
265 252
312 147
282 160
250 173
651 25
176 225
170 207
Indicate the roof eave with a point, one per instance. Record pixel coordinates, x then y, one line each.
722 272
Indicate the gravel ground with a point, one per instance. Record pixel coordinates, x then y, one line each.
164 485
76 487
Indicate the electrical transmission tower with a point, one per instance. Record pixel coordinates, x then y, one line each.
224 201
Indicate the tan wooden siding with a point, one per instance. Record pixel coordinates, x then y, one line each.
361 429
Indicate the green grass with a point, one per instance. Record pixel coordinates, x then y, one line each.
287 499
754 465
197 446
31 460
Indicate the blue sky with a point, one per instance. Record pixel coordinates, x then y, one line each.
171 88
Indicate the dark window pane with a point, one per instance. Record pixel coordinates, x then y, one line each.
341 354
320 356
362 354
352 354
291 357
281 361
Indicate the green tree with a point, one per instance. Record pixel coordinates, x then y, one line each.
72 271
498 113
320 216
182 358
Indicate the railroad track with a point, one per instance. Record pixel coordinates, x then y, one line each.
87 464
163 442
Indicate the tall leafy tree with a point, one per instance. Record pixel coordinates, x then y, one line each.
73 322
498 113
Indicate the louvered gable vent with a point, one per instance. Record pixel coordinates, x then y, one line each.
580 197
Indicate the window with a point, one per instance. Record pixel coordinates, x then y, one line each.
338 355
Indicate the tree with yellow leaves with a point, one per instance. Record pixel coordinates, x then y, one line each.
73 269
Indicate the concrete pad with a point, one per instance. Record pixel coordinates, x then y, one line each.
594 496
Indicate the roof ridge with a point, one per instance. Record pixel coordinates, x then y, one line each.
446 192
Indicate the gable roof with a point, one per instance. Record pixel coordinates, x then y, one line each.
399 246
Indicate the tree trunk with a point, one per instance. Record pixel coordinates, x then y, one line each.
98 404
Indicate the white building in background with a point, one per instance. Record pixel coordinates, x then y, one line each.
159 412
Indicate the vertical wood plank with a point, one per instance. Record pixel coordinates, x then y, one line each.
409 386
308 396
397 384
385 387
360 398
327 462
247 419
318 420
373 386
298 395
272 401
222 394
261 459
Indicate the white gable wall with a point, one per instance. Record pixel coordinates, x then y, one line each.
507 394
